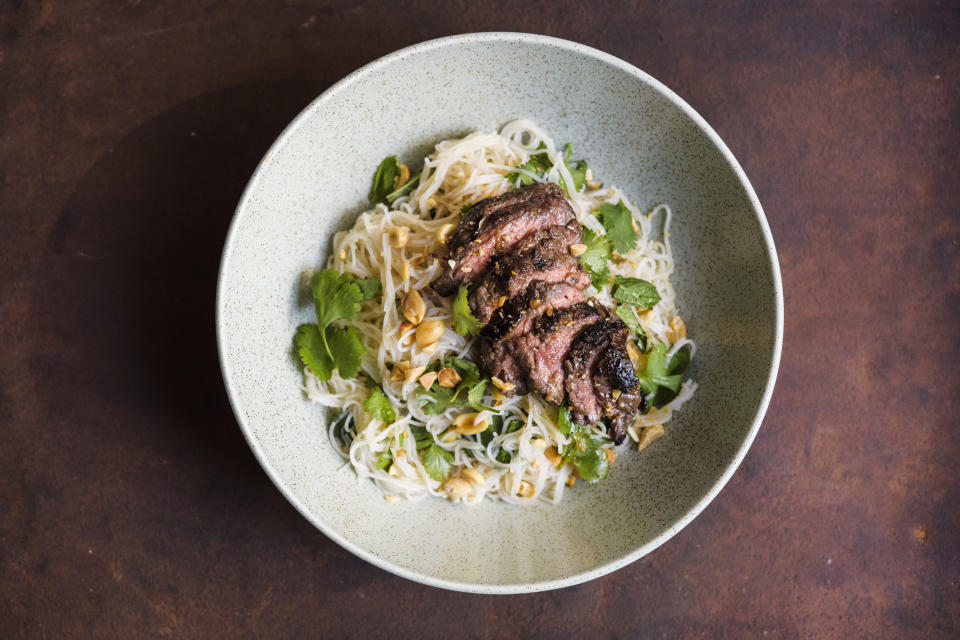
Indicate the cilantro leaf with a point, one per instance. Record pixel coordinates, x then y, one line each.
465 323
347 350
369 287
539 164
635 291
378 405
655 374
385 460
618 221
475 396
341 428
335 296
586 455
467 393
578 171
564 424
383 180
421 436
312 351
436 461
596 258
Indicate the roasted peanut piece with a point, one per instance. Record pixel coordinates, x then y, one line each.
456 488
427 379
473 476
398 237
503 386
677 330
402 177
553 456
405 340
399 371
570 480
443 233
429 332
413 307
448 377
578 249
539 443
526 490
649 434
469 424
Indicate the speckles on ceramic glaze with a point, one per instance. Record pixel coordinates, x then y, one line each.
636 134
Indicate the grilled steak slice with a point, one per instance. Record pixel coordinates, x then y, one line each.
541 352
483 235
498 358
542 255
579 367
515 318
474 217
617 389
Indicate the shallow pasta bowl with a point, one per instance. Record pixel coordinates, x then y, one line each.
637 134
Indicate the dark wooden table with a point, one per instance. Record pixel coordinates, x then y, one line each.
129 503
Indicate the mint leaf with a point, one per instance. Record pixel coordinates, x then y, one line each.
312 351
378 405
564 424
676 367
347 350
465 323
635 291
629 317
618 221
436 461
403 189
596 258
383 180
369 287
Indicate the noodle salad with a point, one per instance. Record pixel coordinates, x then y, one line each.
397 362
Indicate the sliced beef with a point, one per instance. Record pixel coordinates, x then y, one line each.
494 226
600 379
498 358
475 216
544 256
516 316
514 319
579 368
541 351
618 390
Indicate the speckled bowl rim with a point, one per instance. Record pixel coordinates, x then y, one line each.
671 530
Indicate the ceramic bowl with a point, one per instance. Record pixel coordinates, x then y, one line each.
635 133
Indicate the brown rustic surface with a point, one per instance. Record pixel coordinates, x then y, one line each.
129 502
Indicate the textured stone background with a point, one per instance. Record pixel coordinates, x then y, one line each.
129 502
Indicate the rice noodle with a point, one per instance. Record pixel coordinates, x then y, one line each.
458 173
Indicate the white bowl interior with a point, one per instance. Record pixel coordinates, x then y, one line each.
635 134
